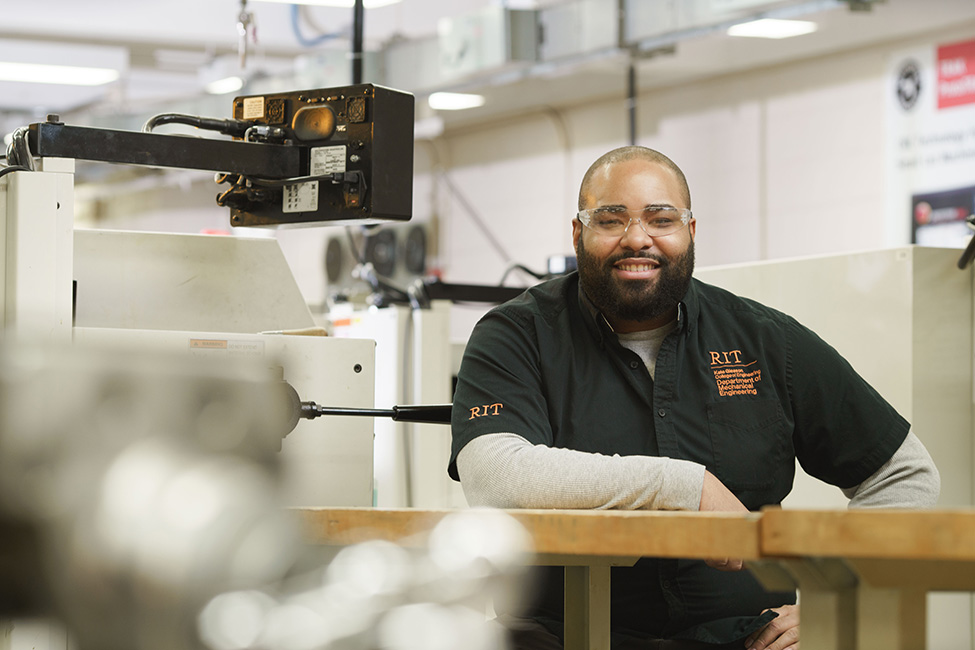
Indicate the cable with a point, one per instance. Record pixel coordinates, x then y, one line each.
359 257
525 269
336 178
307 42
235 128
386 291
18 151
264 133
478 221
13 168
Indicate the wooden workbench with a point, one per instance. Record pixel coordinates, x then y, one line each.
863 575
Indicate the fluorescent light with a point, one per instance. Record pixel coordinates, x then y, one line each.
348 4
225 85
772 28
65 75
454 101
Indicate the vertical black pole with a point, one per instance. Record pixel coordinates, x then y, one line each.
630 103
631 98
358 16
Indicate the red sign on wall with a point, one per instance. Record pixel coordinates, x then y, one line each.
956 74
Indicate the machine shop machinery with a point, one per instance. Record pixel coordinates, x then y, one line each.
335 155
304 158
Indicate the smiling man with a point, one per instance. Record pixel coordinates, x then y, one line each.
631 385
636 285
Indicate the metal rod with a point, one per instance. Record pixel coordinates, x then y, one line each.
433 414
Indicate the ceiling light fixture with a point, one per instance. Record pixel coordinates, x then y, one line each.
65 75
772 28
454 101
225 85
347 4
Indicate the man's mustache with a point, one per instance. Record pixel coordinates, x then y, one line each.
659 259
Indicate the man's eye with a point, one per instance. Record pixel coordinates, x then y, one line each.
660 216
608 217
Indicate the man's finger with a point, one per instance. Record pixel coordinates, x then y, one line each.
781 633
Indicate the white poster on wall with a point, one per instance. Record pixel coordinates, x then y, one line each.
931 145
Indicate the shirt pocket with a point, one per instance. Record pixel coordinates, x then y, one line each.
748 442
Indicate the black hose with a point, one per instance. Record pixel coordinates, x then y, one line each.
235 128
13 168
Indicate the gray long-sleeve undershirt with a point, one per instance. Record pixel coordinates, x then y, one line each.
503 470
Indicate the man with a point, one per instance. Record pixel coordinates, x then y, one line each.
632 385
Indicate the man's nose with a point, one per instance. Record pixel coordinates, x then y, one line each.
635 235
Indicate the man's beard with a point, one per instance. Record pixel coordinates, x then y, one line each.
635 300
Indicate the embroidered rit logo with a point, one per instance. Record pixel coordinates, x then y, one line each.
487 409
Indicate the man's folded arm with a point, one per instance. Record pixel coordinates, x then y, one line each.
504 470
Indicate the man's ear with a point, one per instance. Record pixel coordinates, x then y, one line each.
692 228
576 233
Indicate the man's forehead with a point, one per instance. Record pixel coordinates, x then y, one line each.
631 166
612 176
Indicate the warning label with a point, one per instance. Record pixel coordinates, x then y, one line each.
301 197
327 160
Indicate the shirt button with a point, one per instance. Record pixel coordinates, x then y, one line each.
634 364
661 412
666 584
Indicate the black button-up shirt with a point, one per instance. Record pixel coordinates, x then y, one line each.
739 387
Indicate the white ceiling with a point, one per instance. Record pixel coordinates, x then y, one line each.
167 43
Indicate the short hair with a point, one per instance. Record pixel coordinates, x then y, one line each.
632 152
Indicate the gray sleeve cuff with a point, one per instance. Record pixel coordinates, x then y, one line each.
908 480
503 470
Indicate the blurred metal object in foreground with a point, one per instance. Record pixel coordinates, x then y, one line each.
140 505
133 488
379 595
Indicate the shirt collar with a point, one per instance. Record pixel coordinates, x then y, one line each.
689 307
597 324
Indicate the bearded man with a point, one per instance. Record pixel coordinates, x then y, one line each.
632 385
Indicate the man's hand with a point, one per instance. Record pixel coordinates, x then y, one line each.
782 632
715 497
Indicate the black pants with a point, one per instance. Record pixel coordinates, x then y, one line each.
526 634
